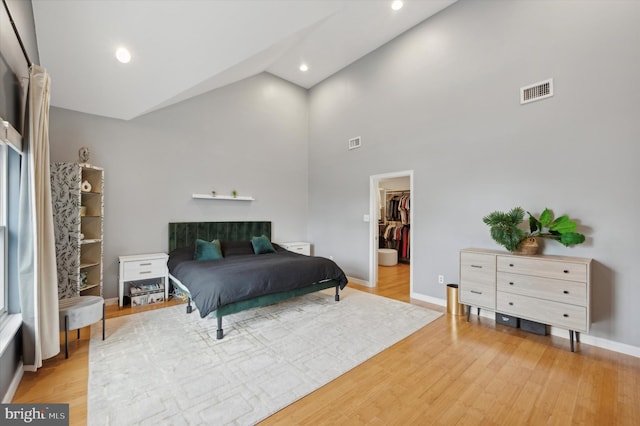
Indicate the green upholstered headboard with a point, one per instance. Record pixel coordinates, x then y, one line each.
184 234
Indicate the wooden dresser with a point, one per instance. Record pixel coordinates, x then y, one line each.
553 290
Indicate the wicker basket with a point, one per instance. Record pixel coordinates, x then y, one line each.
528 246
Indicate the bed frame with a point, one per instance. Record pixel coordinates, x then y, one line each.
184 234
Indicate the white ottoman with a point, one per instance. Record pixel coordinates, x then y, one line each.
387 257
77 312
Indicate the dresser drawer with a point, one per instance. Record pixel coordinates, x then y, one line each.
543 268
562 291
484 297
557 314
477 269
137 270
297 247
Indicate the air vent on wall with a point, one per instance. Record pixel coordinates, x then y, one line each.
355 142
536 91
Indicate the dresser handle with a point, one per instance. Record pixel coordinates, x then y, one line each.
566 271
476 292
145 272
566 292
476 266
146 264
565 315
510 303
511 265
510 282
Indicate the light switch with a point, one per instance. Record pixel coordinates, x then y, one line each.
366 218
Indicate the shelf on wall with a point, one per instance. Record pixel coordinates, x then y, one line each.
222 197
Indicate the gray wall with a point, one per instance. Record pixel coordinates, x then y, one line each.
443 100
250 136
14 68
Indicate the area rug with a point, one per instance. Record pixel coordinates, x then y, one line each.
166 367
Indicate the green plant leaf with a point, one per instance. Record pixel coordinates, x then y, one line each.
545 218
504 227
534 224
563 225
571 238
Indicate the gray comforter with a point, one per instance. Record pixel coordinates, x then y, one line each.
215 283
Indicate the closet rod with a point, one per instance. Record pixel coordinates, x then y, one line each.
15 30
398 192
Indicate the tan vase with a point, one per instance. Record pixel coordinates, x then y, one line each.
528 246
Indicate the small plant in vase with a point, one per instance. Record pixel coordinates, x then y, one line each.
234 193
505 230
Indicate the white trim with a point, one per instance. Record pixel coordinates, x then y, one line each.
8 329
13 386
10 135
359 281
598 342
429 299
373 224
112 301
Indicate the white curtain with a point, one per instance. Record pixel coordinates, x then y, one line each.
36 240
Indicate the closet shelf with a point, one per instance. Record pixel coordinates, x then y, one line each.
222 197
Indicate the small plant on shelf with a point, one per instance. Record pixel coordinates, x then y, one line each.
505 228
234 193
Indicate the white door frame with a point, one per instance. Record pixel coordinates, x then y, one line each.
373 224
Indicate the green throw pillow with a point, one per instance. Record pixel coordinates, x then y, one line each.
206 250
262 245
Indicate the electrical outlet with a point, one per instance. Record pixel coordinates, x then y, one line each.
441 279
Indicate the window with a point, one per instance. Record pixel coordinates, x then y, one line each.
9 198
4 177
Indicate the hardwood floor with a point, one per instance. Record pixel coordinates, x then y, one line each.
449 372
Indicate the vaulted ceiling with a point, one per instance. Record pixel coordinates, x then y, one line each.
183 48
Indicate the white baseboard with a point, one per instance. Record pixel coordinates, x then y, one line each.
112 301
359 281
429 299
13 386
559 332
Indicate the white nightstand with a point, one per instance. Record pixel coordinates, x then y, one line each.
297 247
143 267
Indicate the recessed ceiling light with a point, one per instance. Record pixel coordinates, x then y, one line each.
396 5
304 67
123 55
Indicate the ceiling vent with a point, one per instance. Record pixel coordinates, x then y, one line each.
536 91
355 142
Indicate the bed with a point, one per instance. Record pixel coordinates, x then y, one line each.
241 279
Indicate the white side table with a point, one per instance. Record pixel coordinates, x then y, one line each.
301 247
143 267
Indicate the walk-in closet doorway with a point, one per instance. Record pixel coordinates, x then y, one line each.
390 218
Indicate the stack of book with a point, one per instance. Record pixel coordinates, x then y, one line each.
146 294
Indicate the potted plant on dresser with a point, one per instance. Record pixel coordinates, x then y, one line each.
505 228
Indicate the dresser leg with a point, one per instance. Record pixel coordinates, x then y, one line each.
468 312
478 312
571 339
578 336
